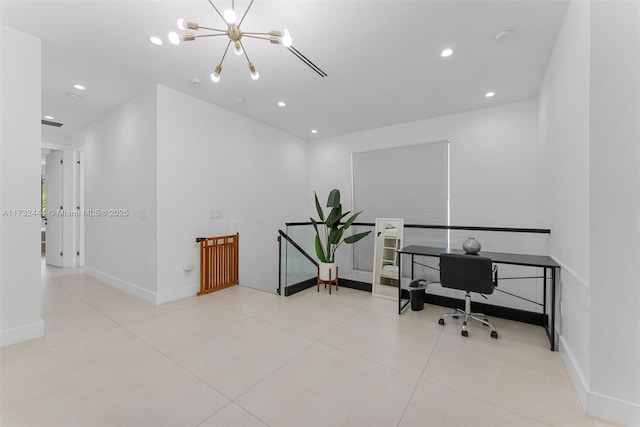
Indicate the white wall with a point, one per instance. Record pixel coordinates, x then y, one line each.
212 159
589 109
494 177
120 173
20 295
615 211
564 153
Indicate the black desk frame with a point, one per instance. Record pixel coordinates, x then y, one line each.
546 263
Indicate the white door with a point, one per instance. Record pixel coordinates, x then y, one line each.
55 209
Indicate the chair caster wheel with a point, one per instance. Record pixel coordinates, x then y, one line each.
441 321
465 333
494 335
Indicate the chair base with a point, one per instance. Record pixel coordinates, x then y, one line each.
467 315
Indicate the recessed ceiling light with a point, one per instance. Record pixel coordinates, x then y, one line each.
49 117
489 94
79 87
174 38
155 40
503 35
445 53
282 104
314 130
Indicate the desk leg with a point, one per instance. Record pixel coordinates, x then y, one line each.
544 295
399 284
552 309
400 305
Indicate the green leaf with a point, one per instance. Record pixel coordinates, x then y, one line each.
315 225
350 221
334 217
335 236
319 250
356 237
318 208
333 200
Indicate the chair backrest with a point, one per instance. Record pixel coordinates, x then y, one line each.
466 272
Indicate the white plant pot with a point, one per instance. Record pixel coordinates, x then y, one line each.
328 267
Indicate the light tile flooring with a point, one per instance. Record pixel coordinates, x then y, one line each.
241 357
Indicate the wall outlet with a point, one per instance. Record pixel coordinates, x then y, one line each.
187 267
215 214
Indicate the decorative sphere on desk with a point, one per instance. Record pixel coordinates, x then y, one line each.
471 246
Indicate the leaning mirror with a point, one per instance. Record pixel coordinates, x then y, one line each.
388 239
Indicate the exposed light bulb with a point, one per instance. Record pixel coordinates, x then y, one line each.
230 16
446 53
155 40
254 74
314 131
489 94
174 38
181 25
282 104
287 41
79 87
237 48
215 76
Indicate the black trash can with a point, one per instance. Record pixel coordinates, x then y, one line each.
416 290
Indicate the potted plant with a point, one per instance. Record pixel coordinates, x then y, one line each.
331 237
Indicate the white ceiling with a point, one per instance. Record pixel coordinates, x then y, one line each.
382 57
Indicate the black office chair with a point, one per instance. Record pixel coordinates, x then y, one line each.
470 273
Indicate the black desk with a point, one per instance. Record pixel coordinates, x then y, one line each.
542 261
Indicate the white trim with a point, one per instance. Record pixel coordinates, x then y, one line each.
127 287
582 294
176 294
612 409
575 373
22 333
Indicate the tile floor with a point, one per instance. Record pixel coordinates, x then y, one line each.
241 357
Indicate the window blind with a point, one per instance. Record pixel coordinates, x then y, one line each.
410 182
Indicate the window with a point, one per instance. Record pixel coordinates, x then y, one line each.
410 182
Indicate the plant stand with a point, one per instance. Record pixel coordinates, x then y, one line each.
330 281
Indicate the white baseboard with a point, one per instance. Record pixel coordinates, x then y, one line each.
22 333
597 405
176 294
575 373
127 287
613 410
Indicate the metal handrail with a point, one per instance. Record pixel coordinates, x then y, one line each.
448 227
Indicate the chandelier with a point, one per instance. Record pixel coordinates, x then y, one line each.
235 36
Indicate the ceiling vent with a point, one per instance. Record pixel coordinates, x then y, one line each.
307 61
50 123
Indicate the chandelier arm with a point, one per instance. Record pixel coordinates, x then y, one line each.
245 52
255 37
264 34
245 12
209 35
225 52
213 29
216 9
